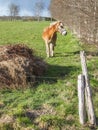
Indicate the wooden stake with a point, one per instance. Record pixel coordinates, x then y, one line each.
81 98
88 94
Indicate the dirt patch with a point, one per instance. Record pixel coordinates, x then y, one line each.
19 66
36 116
6 119
45 110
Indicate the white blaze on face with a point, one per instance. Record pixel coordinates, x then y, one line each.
61 29
64 32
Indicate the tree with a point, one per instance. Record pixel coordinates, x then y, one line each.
80 16
38 9
13 11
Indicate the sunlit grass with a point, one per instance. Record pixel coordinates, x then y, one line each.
54 98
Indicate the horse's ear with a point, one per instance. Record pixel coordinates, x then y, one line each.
59 22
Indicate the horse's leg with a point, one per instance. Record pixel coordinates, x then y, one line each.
51 49
54 40
47 50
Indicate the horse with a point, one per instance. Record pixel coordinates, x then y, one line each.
49 36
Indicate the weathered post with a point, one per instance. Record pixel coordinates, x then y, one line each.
81 98
88 94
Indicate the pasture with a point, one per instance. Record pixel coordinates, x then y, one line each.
52 104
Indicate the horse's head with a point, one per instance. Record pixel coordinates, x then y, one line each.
61 29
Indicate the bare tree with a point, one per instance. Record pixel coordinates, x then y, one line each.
81 16
38 9
13 11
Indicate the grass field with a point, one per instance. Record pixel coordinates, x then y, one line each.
53 103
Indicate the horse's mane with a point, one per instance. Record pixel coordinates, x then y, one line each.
51 24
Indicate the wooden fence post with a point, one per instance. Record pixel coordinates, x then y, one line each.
88 94
81 98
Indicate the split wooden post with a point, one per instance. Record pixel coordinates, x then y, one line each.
81 98
88 94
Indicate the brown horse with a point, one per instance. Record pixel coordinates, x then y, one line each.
50 36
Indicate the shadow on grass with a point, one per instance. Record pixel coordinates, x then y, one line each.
66 54
55 72
92 127
97 121
75 53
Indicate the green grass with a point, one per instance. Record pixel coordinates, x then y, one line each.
53 102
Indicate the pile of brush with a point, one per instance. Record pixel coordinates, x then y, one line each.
19 66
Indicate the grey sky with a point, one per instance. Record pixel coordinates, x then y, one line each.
26 6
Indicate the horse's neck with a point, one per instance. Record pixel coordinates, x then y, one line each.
53 29
53 32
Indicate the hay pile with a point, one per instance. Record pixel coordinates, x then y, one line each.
19 66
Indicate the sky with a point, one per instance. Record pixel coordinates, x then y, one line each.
26 7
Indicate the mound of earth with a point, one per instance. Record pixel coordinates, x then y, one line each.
19 66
